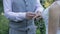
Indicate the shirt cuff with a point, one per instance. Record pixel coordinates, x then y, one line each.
39 9
22 15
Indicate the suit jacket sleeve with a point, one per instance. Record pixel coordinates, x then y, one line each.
12 15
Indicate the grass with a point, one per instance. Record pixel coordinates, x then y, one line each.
3 25
37 32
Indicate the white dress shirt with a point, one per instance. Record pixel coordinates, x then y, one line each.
20 15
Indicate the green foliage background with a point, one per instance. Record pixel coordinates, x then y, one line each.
47 3
4 23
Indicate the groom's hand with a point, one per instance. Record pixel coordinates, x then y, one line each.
30 15
38 15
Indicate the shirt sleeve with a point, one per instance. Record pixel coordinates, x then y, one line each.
12 15
39 6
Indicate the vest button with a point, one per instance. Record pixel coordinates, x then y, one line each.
26 3
28 29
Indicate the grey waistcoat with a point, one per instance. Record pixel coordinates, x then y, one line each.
23 6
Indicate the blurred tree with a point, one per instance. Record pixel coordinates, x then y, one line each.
46 3
1 1
41 25
1 6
